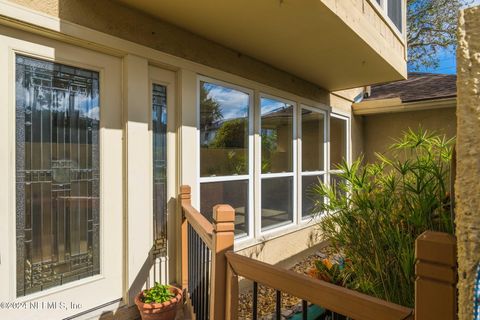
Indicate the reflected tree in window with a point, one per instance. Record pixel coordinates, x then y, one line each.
224 131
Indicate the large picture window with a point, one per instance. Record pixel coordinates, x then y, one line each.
267 155
57 174
225 151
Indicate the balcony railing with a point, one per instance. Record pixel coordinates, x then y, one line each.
211 271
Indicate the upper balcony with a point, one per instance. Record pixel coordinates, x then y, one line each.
336 44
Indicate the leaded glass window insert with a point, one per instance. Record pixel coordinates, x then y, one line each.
159 126
57 174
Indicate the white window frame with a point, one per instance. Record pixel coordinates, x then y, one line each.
259 175
250 176
255 233
348 153
382 8
301 173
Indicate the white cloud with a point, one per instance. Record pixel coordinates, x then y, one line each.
234 103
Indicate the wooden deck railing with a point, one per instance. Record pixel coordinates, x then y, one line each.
211 271
204 263
340 300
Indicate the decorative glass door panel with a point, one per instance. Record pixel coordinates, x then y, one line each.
57 174
159 126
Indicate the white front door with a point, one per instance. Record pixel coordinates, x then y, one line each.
61 196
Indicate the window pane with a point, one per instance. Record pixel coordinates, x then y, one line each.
277 201
277 136
234 193
58 174
159 128
308 183
338 141
223 131
395 12
313 125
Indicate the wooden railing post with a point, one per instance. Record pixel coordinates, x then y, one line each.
436 277
185 199
223 238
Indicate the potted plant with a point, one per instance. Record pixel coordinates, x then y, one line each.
159 302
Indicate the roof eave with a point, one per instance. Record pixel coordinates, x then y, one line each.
392 105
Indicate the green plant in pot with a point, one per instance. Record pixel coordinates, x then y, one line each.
160 302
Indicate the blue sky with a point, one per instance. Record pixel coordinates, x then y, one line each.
447 58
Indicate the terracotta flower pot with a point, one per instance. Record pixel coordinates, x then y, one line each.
160 311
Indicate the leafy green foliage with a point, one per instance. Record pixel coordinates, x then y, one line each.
432 26
378 210
269 148
231 134
211 110
159 293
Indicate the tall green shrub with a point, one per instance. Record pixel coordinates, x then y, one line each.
378 210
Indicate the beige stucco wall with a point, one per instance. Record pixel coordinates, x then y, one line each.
115 19
379 130
281 249
468 157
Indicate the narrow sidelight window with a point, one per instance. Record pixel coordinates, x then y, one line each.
159 131
57 174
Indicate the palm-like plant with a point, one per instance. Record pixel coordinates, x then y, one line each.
378 210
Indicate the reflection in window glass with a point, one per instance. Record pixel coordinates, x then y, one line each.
308 194
338 141
223 131
58 174
395 12
313 126
277 136
159 129
234 193
277 201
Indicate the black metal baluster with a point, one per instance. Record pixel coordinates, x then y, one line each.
207 289
202 281
206 281
279 305
193 270
304 310
255 300
189 242
197 278
194 283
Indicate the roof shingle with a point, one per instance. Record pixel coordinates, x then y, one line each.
418 86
